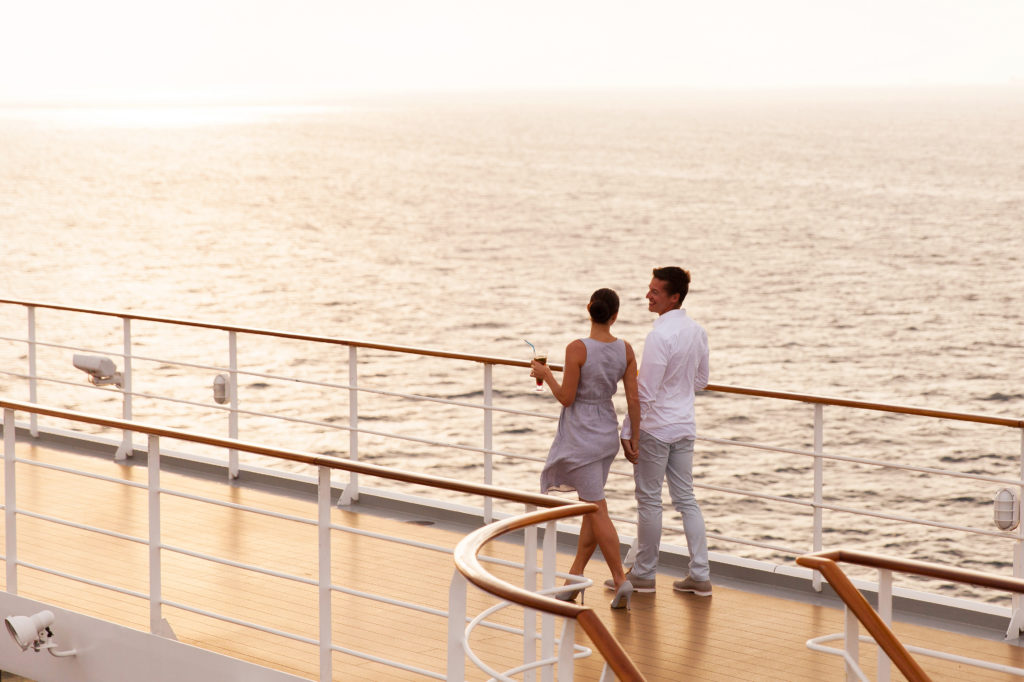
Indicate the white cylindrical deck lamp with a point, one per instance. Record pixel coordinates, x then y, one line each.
1006 509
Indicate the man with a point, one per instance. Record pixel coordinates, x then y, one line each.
673 368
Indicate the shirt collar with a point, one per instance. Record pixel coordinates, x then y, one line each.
675 312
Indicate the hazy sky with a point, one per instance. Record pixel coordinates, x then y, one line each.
138 47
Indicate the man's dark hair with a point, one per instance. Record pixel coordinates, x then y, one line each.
676 279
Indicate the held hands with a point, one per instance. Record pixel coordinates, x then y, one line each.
631 448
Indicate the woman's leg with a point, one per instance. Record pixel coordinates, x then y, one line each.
606 537
585 546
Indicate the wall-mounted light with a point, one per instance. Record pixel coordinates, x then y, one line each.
220 389
1006 510
34 632
102 371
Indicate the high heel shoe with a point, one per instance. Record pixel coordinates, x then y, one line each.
571 595
623 594
568 596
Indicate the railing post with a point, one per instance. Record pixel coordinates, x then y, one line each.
885 613
819 481
10 504
457 627
547 620
630 559
126 448
529 583
233 393
851 638
325 592
351 492
566 663
32 396
488 439
1016 625
155 587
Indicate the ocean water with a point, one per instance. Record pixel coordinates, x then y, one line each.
860 244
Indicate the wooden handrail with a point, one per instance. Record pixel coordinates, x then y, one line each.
961 575
865 405
468 564
455 485
720 388
285 335
828 564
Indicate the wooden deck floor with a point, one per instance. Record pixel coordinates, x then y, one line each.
734 635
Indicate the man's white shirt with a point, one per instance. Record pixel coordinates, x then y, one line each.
673 367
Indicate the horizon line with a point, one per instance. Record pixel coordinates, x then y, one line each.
282 96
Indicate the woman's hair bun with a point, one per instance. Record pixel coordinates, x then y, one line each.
604 304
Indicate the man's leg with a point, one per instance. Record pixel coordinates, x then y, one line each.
648 475
679 470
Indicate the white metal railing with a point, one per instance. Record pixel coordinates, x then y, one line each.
158 493
879 621
356 392
468 569
233 372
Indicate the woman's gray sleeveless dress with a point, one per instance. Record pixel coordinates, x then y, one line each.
588 430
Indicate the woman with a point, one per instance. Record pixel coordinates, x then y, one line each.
588 435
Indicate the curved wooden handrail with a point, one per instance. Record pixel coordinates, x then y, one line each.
720 388
455 485
828 564
961 575
468 564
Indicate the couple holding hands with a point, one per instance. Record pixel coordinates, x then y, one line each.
657 434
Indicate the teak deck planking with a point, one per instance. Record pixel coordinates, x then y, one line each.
734 635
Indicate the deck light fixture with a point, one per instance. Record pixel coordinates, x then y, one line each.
1006 510
34 632
102 371
220 389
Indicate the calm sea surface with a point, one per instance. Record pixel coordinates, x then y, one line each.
864 245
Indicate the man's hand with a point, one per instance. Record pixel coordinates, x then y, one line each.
630 448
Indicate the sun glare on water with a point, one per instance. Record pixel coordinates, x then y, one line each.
151 116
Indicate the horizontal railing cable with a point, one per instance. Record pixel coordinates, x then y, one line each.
724 490
224 408
239 621
81 526
238 507
1006 535
79 472
865 405
886 464
293 455
87 581
238 564
280 334
64 346
741 390
388 662
780 395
